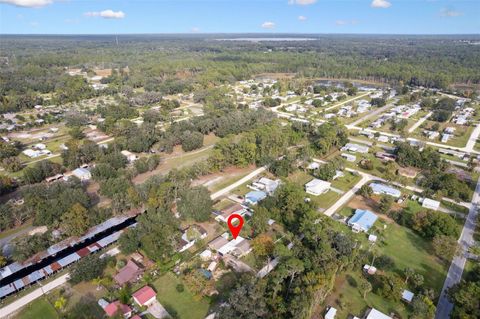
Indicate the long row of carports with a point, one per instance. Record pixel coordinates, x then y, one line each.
58 265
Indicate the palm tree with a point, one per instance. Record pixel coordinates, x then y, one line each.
60 303
366 287
99 282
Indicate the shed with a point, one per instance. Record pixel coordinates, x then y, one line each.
407 296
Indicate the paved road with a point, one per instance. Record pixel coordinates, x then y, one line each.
372 114
9 310
347 101
446 146
455 271
4 242
348 195
472 139
420 122
241 181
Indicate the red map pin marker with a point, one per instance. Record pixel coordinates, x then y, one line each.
235 229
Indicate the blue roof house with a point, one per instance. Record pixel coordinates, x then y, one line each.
362 220
254 197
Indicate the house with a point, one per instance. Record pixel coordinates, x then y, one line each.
331 313
317 187
354 148
378 188
82 173
254 197
238 247
233 209
385 156
383 139
430 204
349 157
145 296
445 137
362 220
129 155
128 274
375 314
218 242
407 296
372 238
190 236
40 146
31 153
116 307
313 165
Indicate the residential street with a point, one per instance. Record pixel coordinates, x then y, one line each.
8 310
419 122
455 271
241 181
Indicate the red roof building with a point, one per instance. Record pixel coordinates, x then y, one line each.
144 296
117 307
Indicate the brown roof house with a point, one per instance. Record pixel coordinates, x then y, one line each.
128 274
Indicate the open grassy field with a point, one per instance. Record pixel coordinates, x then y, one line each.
38 309
184 304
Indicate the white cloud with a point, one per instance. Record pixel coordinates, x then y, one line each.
380 4
302 2
450 13
195 29
34 24
28 3
268 25
107 14
302 18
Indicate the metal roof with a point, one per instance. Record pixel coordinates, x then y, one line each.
69 259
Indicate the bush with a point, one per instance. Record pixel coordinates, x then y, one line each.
180 288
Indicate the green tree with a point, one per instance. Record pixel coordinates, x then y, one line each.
365 287
195 203
75 221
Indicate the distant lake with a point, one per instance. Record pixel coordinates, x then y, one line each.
267 39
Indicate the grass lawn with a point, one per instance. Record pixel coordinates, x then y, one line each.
346 182
184 304
325 200
408 249
38 309
348 294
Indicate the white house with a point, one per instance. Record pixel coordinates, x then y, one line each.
354 148
317 187
349 157
82 174
375 314
430 204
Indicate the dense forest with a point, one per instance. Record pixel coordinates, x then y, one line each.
184 64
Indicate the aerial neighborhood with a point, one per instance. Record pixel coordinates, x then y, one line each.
215 176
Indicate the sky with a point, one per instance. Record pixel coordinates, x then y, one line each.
239 16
